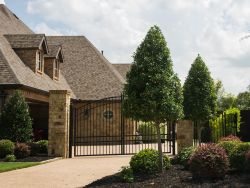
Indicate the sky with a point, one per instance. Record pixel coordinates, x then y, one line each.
217 30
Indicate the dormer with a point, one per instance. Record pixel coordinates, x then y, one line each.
52 61
31 49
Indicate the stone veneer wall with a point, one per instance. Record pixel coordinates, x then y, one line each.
184 134
59 110
28 56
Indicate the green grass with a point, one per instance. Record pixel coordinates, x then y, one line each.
7 166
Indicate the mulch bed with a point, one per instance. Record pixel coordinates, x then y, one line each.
175 177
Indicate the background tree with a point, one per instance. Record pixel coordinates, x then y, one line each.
243 100
153 91
16 121
199 94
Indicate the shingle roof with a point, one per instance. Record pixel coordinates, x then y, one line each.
123 69
87 71
26 40
13 70
10 23
53 50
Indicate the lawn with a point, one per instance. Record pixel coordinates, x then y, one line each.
7 166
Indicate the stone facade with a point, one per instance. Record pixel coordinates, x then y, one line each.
184 134
59 110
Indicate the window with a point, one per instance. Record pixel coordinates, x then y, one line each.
56 69
39 63
108 114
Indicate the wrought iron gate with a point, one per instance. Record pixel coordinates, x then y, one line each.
99 128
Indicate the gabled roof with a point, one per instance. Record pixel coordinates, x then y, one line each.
55 51
123 68
13 70
27 41
87 71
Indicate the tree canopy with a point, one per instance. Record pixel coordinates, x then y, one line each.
153 91
199 92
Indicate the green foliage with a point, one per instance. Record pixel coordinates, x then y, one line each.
227 118
22 150
16 122
237 156
39 147
184 155
126 174
148 132
10 158
153 91
229 146
199 92
6 148
209 162
43 146
243 100
226 102
146 162
247 161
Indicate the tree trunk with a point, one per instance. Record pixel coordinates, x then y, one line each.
157 125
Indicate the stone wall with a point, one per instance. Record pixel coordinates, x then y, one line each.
185 130
59 110
49 67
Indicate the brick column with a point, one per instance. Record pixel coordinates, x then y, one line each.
185 135
59 110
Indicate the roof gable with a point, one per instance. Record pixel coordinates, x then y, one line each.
27 41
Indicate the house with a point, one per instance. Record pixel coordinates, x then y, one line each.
53 72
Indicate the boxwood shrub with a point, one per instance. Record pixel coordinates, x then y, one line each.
184 156
147 162
10 158
6 148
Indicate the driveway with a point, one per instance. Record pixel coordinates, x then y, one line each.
75 172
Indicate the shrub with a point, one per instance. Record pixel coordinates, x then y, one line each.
229 146
43 146
22 150
209 162
10 158
6 148
237 156
147 162
40 147
230 138
247 161
184 156
16 121
34 148
126 174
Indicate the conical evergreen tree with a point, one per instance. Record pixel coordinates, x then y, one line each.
16 121
199 92
153 91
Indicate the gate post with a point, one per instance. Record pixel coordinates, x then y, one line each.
59 116
184 134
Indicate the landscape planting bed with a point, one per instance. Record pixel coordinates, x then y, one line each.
175 177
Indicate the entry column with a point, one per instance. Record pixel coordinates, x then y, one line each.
59 111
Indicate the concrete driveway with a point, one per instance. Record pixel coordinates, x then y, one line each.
76 172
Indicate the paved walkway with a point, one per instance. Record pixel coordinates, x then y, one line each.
75 172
